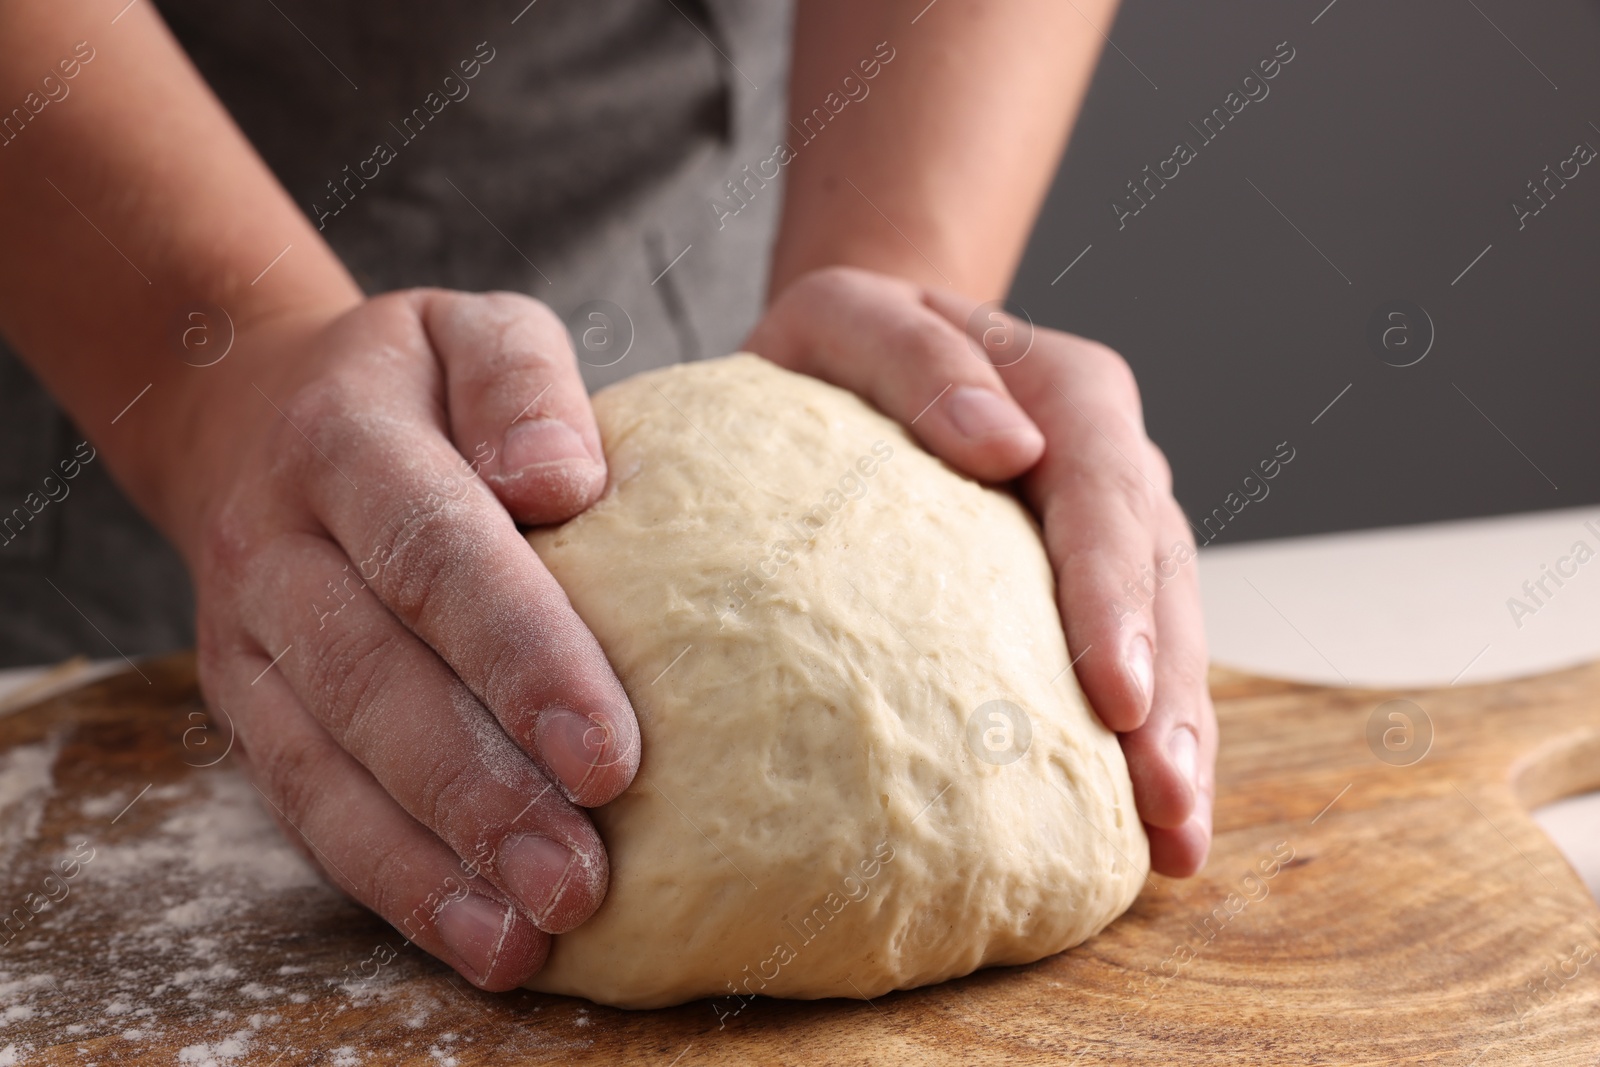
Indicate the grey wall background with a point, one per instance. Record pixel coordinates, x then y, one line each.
1390 148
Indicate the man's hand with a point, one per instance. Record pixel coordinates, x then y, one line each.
1066 418
413 692
415 696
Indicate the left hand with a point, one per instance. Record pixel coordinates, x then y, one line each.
1066 419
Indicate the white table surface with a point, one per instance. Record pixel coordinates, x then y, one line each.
1409 606
1417 606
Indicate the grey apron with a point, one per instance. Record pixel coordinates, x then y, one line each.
567 149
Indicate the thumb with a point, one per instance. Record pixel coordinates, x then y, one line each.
878 337
518 408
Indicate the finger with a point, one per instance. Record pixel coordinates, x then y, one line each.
1171 758
445 557
371 849
1164 753
518 408
1182 852
385 698
873 335
1097 497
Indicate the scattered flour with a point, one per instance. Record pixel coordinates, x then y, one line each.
25 786
19 998
168 898
168 909
214 1055
12 988
201 911
192 976
105 806
225 840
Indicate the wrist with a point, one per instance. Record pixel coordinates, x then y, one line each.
219 413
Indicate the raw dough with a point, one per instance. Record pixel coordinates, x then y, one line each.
866 765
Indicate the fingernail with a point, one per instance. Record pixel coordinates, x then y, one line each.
1140 661
536 870
1183 752
572 745
538 441
981 413
474 927
1203 818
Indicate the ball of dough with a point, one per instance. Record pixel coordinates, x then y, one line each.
866 764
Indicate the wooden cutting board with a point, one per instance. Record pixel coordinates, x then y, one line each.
1413 914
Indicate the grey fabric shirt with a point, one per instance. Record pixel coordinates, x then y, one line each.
568 149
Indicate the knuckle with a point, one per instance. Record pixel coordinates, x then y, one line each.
826 290
536 313
389 885
292 776
447 787
831 281
348 675
211 661
1126 485
416 559
1107 363
1208 725
504 302
229 543
523 331
318 418
384 886
317 402
926 340
1160 468
1189 675
1176 539
510 680
397 303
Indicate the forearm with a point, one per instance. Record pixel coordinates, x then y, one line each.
936 173
128 199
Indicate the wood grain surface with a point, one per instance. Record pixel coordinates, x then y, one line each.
1356 909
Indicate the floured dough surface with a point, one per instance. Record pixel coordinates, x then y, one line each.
866 766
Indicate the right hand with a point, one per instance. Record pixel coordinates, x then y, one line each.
1067 423
413 693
